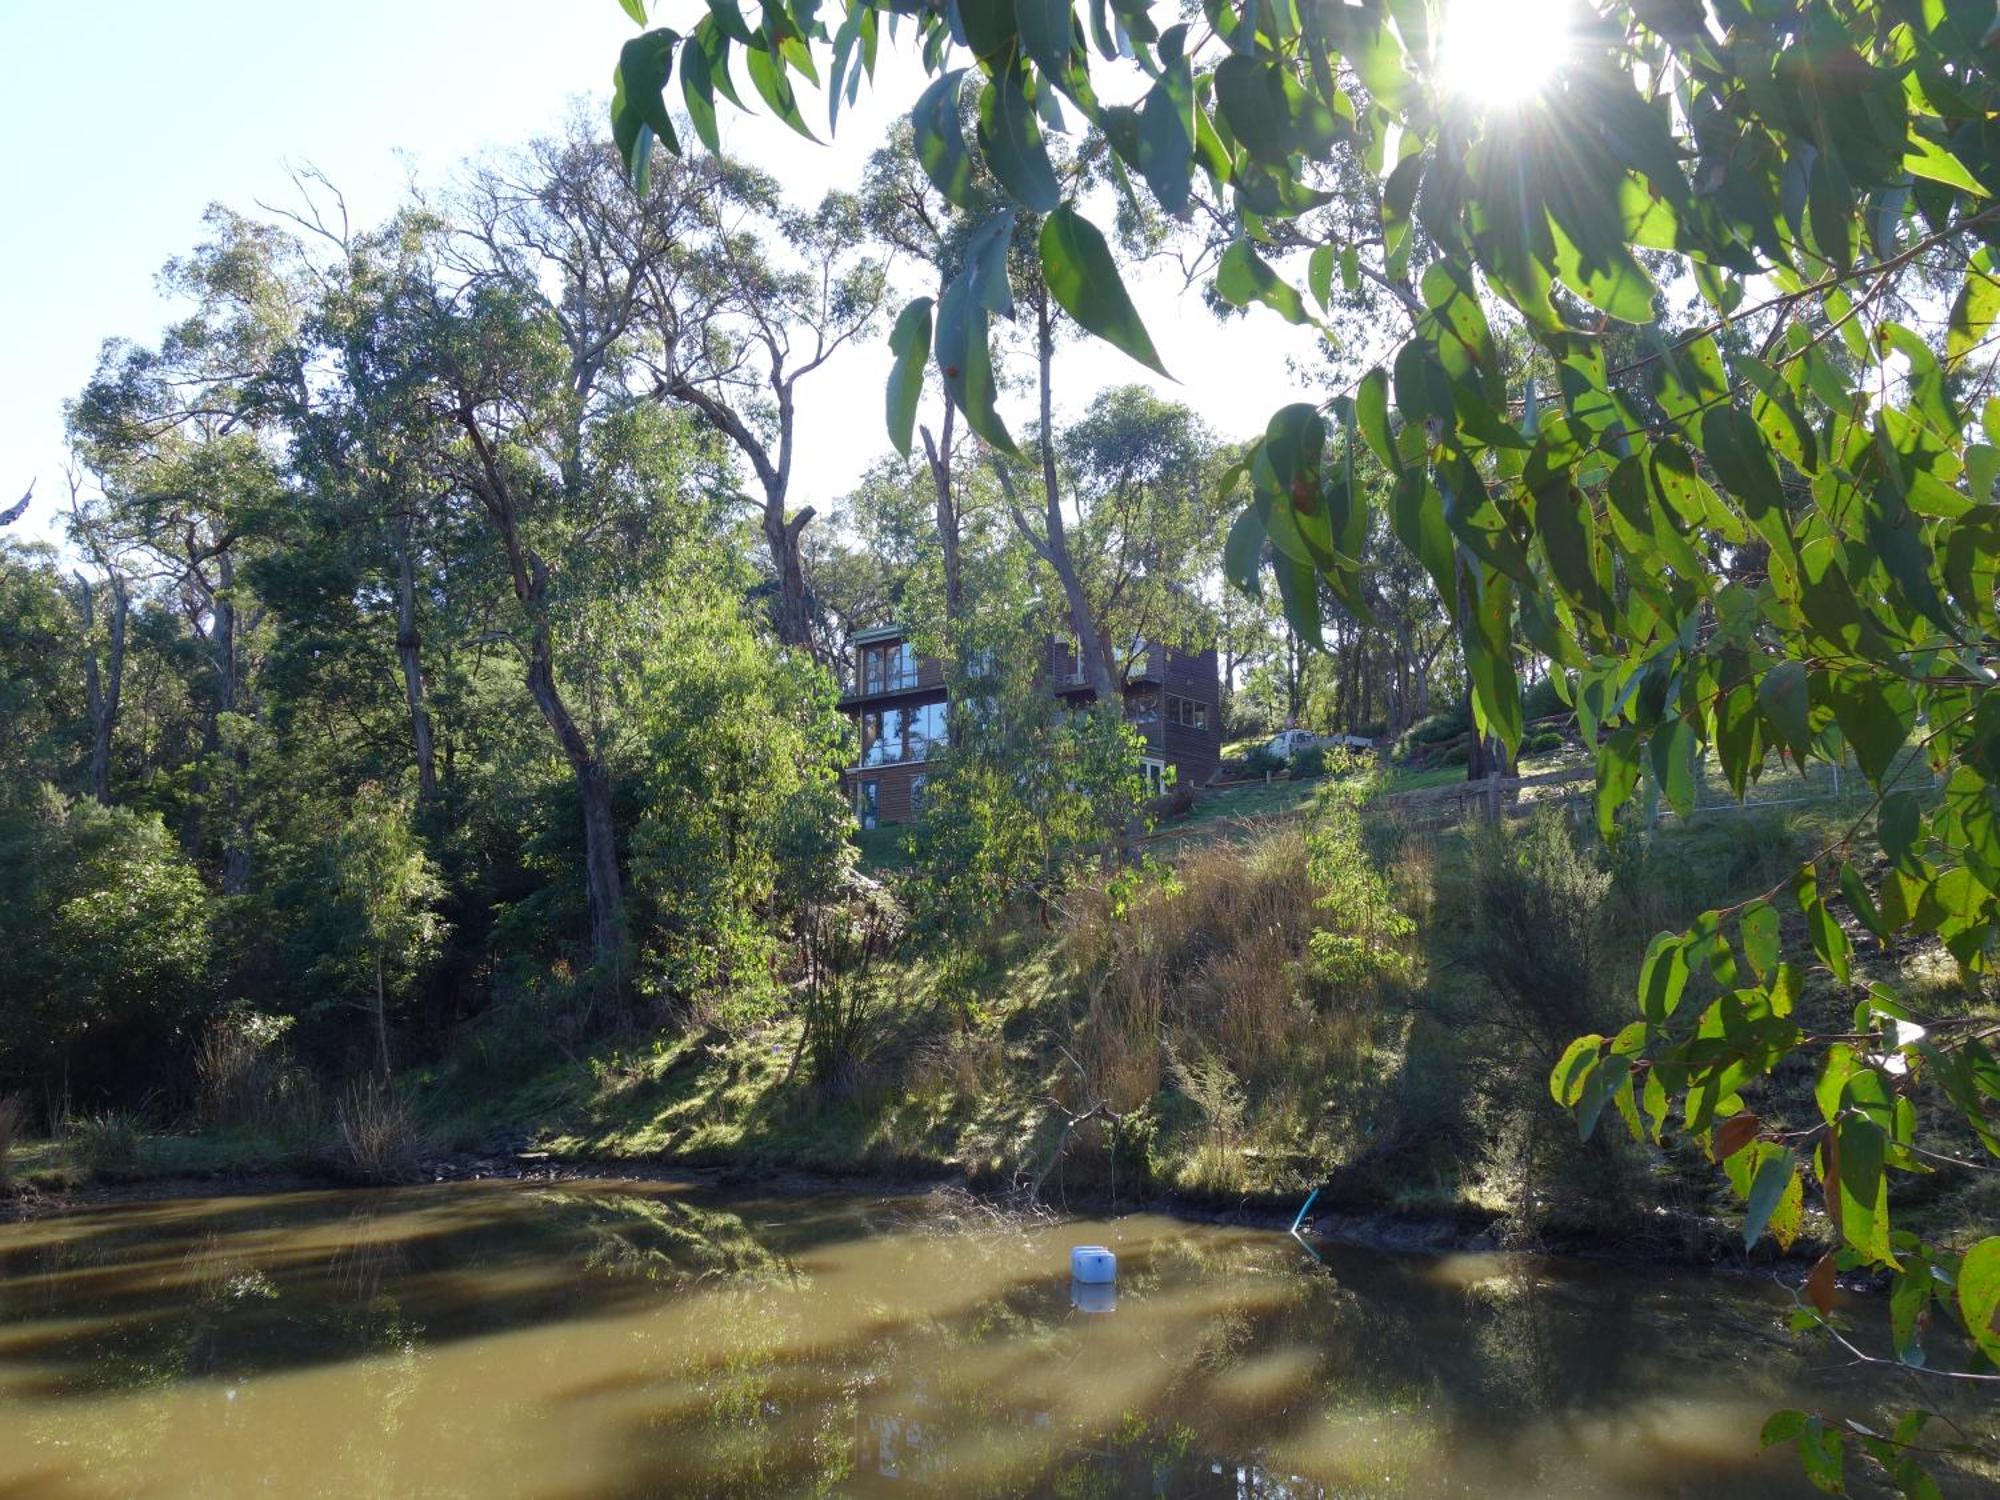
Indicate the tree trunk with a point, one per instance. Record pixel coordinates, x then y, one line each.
236 852
781 535
1082 618
102 688
408 646
939 455
381 1017
530 577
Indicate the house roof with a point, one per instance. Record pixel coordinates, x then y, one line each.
879 633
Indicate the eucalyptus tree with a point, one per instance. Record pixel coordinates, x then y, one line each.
186 442
749 309
1143 472
1753 551
108 592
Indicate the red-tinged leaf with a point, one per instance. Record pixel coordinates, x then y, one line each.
1820 1285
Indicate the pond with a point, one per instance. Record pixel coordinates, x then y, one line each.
611 1339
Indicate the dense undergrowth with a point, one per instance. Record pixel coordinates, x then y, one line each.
1342 1002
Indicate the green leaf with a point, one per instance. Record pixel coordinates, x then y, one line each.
1973 314
1166 137
698 86
1487 637
1243 277
963 357
1864 1189
1047 35
1617 775
1243 552
1371 411
1573 1071
1758 923
1673 750
941 141
1926 158
767 73
636 9
1979 1295
1079 269
1010 140
1781 694
1829 938
1319 276
1776 1181
909 342
1876 718
1663 977
638 102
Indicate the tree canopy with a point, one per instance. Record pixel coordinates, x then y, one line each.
1694 403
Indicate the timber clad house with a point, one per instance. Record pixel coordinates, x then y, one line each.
898 701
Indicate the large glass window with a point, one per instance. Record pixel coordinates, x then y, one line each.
1187 712
901 734
881 740
886 668
926 732
868 803
1143 708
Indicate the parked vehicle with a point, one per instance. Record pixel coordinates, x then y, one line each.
1289 742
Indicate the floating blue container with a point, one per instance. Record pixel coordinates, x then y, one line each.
1093 1265
1093 1296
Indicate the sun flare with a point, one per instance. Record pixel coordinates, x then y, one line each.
1504 51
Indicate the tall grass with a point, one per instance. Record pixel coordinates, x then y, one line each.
247 1080
13 1118
377 1137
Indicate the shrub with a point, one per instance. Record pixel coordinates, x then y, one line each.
103 1145
13 1117
377 1138
1457 755
1447 725
1362 941
1261 762
1542 743
1309 762
1542 701
246 1079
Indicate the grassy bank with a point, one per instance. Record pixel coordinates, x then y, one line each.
1335 1000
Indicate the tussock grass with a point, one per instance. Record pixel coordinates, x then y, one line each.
378 1138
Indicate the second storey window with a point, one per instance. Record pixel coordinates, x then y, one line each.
1188 713
888 667
902 734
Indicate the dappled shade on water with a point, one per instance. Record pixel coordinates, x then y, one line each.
623 1339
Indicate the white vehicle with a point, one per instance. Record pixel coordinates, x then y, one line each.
1288 743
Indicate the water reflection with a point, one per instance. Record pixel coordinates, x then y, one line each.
617 1339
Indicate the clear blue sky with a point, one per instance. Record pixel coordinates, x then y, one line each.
125 118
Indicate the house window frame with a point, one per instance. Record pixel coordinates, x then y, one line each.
888 666
868 802
897 729
1187 713
1158 774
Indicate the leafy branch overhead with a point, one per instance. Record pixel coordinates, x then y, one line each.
1695 403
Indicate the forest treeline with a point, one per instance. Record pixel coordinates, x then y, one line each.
437 628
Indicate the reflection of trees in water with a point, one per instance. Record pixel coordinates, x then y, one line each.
807 1346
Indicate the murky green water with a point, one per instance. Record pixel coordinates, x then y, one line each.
618 1339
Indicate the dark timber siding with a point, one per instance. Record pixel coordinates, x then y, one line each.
1195 754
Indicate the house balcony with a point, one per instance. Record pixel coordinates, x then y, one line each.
891 682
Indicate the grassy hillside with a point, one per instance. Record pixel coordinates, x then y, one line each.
1327 996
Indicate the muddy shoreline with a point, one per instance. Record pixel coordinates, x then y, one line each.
1686 1241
